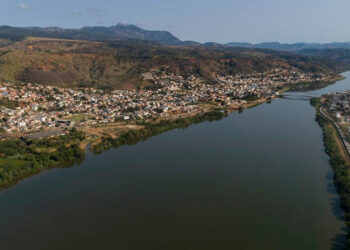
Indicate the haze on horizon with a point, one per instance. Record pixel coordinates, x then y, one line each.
199 20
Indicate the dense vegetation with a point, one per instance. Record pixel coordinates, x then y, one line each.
340 166
251 97
23 157
8 103
151 129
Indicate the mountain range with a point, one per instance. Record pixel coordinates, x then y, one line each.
130 32
291 46
96 33
116 57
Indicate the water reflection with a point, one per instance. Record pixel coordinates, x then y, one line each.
255 180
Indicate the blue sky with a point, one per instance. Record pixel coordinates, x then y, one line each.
199 20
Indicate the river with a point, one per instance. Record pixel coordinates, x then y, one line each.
255 180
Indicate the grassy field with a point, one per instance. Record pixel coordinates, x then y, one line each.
78 118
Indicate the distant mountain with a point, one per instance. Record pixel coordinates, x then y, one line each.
190 43
331 52
98 33
338 55
122 31
212 44
132 32
291 46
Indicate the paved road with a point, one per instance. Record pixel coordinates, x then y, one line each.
340 131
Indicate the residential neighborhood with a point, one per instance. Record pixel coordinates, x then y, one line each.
30 107
337 105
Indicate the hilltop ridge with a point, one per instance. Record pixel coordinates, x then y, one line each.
120 64
128 31
95 33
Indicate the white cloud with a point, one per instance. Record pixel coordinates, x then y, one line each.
23 6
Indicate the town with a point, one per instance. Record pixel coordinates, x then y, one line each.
336 107
29 107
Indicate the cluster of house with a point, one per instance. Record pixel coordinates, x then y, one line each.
338 106
42 106
263 83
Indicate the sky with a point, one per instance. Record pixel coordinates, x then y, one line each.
222 21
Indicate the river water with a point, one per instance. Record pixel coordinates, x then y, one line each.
255 180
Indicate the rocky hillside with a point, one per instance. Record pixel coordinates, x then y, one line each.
120 64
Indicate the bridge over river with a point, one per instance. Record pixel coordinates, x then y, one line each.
296 96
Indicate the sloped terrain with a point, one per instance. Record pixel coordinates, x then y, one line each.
120 64
97 33
341 56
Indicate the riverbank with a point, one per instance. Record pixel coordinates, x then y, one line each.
115 136
148 130
219 181
15 167
308 86
22 157
339 160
